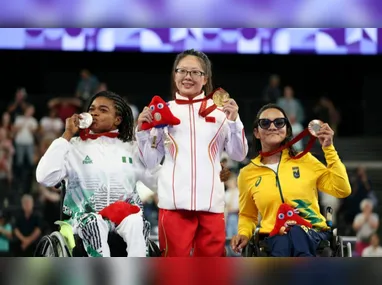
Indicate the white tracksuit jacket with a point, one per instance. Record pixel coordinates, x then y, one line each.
189 178
98 172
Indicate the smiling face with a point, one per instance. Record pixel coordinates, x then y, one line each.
271 130
190 76
105 118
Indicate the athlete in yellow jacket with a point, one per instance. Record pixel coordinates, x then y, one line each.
267 182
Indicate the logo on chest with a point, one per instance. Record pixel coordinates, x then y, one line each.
258 181
296 172
87 160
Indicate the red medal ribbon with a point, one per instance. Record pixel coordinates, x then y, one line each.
203 111
299 137
85 134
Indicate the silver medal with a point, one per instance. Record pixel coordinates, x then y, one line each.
314 127
85 120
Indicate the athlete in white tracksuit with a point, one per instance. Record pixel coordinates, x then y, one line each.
100 169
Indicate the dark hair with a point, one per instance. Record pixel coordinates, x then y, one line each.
126 127
206 65
256 144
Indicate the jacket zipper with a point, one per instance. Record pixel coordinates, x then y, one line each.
278 185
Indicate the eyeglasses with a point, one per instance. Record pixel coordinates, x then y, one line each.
278 123
193 73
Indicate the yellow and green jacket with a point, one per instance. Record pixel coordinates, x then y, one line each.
297 182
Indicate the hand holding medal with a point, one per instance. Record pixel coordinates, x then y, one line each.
322 131
222 99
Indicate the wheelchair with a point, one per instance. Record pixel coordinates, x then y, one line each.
333 247
63 243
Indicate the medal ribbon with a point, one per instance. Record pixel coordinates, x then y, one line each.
203 111
85 134
299 137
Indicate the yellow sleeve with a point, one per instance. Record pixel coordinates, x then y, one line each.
333 178
248 212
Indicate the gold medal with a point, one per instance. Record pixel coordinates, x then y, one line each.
220 96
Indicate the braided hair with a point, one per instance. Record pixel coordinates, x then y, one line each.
126 127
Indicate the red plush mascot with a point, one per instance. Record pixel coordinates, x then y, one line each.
117 211
161 114
286 218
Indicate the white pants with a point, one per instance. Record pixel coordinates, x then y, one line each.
94 234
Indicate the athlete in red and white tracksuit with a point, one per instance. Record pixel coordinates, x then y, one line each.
191 195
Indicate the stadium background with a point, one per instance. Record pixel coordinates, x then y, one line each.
342 64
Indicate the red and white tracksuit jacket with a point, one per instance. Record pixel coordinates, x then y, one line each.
189 178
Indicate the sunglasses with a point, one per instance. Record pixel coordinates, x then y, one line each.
278 123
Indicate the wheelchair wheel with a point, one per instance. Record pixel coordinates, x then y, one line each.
52 245
46 248
250 250
61 246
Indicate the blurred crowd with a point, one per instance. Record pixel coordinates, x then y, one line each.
28 210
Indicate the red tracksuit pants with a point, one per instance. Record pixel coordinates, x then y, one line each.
181 231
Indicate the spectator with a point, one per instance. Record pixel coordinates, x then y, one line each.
87 85
361 189
5 235
19 105
365 224
6 159
51 126
25 128
272 92
291 105
374 249
327 112
27 229
6 123
65 107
